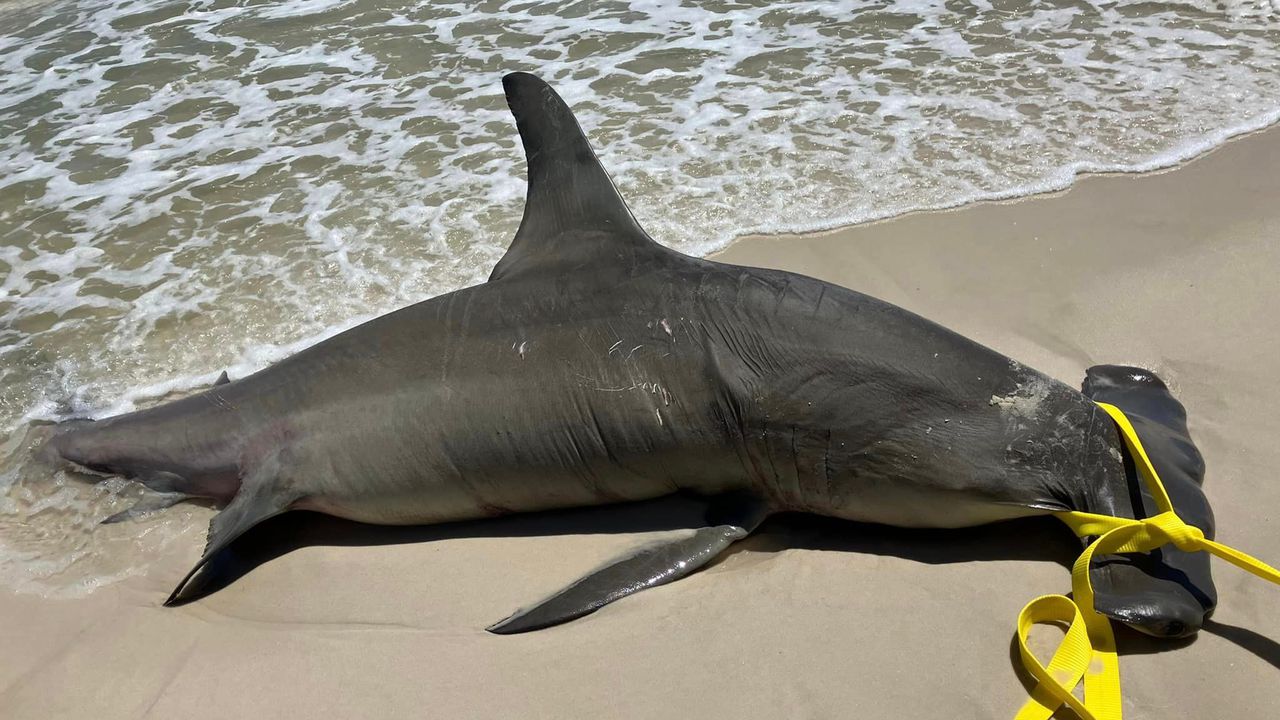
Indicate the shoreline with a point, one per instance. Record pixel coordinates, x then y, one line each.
1271 124
1270 128
1172 270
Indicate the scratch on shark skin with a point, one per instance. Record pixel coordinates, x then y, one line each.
658 390
653 388
220 401
595 384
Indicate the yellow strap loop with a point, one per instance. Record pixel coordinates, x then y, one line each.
1088 651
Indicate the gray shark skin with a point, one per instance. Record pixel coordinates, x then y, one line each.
597 366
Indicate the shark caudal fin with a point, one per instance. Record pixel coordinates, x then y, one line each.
55 449
1177 585
107 448
573 214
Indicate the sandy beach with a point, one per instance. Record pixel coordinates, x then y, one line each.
1173 271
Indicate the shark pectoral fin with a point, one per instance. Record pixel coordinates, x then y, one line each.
147 504
256 501
649 567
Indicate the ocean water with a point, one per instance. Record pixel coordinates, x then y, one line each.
193 186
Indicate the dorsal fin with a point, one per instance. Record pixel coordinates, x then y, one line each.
572 212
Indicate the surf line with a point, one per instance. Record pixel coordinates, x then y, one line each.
1088 650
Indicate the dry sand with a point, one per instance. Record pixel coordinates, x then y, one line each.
1174 271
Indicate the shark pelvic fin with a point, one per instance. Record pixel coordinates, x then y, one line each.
573 214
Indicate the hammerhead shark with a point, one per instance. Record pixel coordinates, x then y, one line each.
597 366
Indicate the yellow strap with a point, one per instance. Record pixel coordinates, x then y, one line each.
1088 651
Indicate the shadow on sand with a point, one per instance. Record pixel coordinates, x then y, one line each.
1042 539
1030 539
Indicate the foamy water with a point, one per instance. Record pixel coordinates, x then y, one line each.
187 187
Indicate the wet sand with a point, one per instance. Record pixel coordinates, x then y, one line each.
1174 271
